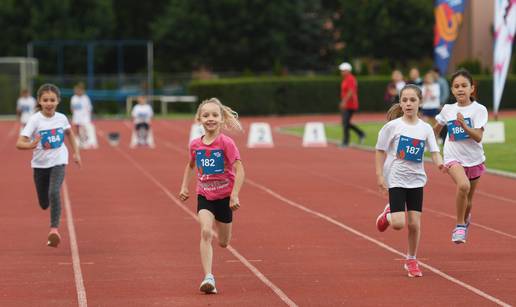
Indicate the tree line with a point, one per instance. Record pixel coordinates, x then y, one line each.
223 35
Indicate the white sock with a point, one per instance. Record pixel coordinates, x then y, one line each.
388 216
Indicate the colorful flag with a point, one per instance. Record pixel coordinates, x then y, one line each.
504 26
448 18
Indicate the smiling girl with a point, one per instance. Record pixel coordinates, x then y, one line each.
463 152
220 175
45 133
400 171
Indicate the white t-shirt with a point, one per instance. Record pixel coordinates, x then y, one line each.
431 96
51 150
25 105
459 146
404 144
142 113
81 109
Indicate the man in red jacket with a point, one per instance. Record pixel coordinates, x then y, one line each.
348 103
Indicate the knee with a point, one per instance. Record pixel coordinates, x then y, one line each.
206 234
413 226
54 194
223 244
463 187
397 224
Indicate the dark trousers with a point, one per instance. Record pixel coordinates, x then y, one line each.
48 186
346 125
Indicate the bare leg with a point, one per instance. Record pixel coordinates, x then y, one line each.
473 185
463 189
397 220
206 219
414 231
224 233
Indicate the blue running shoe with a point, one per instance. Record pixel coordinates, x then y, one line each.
459 234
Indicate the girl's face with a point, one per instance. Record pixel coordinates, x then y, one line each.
48 102
462 89
409 102
211 117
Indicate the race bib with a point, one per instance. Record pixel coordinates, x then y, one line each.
456 132
142 116
25 109
76 106
51 139
410 149
210 162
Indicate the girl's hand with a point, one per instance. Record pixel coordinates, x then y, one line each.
460 119
382 187
35 142
234 203
184 194
77 159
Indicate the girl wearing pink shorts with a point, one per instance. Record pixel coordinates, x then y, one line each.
463 152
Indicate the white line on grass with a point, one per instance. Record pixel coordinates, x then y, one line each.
379 243
76 261
235 253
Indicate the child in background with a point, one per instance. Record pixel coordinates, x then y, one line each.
220 175
81 107
431 98
44 133
25 107
400 170
142 115
463 152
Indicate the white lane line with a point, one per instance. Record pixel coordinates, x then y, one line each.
235 253
74 247
376 193
374 241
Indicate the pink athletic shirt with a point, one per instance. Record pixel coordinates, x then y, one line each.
214 163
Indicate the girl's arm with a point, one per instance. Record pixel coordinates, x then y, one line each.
437 129
25 143
438 160
75 145
234 202
380 180
187 177
475 133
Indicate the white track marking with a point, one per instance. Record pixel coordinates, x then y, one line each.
233 251
76 261
374 241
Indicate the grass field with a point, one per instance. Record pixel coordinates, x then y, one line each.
499 156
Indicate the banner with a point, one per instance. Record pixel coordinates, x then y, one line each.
448 18
504 26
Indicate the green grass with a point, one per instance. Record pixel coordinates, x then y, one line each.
499 156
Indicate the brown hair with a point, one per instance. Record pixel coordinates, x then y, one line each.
395 110
47 87
229 117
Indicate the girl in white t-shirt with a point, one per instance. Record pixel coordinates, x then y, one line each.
44 133
142 115
400 171
25 106
463 151
81 107
431 98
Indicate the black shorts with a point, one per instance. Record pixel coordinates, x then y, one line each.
142 126
413 198
219 208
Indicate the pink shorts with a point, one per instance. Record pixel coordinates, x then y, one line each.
472 172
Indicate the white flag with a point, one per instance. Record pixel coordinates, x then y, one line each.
505 26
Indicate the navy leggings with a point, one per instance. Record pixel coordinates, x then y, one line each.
48 186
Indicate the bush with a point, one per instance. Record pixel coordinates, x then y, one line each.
319 94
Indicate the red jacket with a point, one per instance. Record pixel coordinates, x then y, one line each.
349 83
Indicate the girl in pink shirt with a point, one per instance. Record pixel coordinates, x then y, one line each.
220 175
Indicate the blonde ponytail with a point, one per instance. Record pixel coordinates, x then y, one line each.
394 112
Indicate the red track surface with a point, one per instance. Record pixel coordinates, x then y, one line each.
307 225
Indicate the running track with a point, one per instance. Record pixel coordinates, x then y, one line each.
304 236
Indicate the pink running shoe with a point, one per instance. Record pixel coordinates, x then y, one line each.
53 238
412 268
381 222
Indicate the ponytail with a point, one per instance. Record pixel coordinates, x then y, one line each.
394 112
